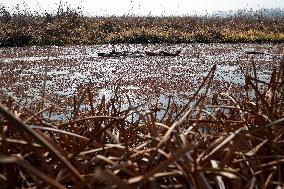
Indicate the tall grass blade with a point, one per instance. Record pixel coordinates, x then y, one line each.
19 125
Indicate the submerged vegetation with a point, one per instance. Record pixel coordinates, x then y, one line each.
214 141
71 27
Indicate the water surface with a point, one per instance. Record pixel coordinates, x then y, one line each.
144 79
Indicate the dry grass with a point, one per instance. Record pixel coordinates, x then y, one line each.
212 142
69 26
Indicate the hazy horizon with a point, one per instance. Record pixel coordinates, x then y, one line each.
145 7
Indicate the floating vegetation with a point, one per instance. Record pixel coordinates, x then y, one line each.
148 79
136 115
213 141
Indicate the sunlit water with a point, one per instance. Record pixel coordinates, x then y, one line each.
148 80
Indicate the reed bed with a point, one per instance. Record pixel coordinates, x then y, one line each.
70 27
214 141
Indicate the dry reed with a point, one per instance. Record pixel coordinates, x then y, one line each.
236 145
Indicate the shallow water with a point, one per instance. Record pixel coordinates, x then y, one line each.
144 79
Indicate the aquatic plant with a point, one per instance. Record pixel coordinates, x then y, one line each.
235 144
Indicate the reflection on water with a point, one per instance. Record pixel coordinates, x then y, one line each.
145 79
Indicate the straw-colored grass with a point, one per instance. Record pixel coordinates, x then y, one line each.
70 27
236 145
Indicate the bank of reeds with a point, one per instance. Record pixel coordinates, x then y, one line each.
70 27
215 141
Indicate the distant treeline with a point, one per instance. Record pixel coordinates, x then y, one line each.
71 27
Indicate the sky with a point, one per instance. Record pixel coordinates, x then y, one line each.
146 7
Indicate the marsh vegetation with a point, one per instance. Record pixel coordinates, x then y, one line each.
100 122
70 27
210 116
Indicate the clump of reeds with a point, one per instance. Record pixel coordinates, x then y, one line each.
70 26
214 141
